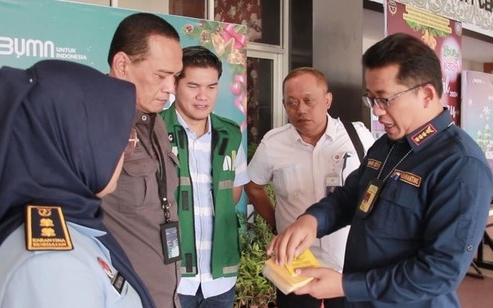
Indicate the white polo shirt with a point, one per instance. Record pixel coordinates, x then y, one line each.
302 174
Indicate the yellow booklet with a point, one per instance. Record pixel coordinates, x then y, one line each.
284 277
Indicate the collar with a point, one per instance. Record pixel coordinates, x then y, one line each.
187 128
330 131
424 135
142 117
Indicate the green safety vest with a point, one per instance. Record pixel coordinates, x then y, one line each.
226 140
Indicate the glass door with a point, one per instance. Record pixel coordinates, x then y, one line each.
264 96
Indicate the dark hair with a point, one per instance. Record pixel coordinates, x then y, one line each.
199 56
307 70
417 62
131 35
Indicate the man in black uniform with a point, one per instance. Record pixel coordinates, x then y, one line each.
418 204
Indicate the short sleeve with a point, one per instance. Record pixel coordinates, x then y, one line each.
259 168
54 279
241 172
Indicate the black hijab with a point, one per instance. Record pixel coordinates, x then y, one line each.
63 128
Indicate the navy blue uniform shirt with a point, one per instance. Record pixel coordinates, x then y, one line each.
416 244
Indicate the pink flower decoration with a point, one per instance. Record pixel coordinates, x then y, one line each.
229 32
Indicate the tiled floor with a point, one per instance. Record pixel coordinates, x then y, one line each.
478 293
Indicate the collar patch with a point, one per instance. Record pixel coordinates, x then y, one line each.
46 229
374 164
424 134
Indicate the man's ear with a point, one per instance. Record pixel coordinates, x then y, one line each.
328 100
429 94
120 65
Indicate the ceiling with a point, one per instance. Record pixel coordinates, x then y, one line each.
472 49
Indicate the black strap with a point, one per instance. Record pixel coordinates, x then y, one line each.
161 181
161 172
353 135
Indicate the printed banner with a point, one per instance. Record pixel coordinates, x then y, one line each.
31 31
443 36
475 15
477 108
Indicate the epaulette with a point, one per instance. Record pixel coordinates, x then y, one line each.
46 229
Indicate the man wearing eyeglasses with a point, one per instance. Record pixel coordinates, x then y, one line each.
417 205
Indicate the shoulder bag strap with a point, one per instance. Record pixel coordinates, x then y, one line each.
355 139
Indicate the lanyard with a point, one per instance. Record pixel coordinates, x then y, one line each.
396 165
160 173
161 181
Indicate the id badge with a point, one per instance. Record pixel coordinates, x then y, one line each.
369 198
170 239
331 182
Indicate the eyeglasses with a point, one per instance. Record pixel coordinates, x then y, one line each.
384 103
132 142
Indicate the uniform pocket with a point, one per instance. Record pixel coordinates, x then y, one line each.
396 213
137 184
287 180
173 157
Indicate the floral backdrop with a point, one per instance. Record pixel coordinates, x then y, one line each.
228 41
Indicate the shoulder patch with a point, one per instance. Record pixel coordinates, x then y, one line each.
46 229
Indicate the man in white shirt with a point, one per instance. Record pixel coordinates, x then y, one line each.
305 160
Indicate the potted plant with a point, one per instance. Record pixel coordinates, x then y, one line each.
252 288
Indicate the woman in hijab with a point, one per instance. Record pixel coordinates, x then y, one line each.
63 129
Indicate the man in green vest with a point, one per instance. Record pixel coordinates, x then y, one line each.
212 172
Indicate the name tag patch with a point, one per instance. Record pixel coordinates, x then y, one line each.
407 177
374 164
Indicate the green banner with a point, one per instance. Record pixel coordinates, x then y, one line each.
34 30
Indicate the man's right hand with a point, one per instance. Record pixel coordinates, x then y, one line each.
294 240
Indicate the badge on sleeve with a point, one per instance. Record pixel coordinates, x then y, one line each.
116 279
369 198
46 229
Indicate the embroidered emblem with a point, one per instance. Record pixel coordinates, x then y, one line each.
46 229
46 222
374 164
424 134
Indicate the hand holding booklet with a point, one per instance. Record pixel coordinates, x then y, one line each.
284 277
